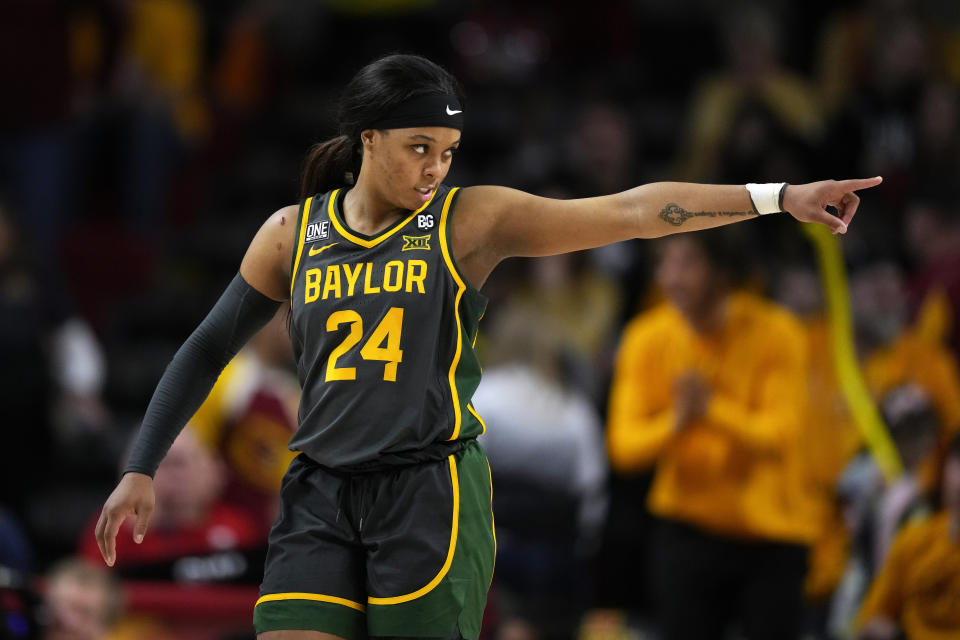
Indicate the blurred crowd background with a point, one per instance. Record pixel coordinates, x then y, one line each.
672 456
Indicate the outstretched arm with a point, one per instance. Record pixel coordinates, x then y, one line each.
494 223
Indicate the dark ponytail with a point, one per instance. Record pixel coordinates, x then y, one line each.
374 91
330 164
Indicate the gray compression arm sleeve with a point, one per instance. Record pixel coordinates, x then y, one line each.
239 313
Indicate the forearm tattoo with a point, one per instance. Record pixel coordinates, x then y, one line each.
677 215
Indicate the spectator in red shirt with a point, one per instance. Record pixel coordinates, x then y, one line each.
194 536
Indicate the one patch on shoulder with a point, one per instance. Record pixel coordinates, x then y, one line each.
317 231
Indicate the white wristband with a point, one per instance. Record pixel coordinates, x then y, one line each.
767 197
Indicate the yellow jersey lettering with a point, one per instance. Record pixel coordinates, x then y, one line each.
416 273
311 289
352 276
367 287
409 276
393 271
332 284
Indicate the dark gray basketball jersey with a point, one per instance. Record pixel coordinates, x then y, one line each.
383 330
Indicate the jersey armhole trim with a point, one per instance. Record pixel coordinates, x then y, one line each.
461 288
493 525
445 215
477 416
304 217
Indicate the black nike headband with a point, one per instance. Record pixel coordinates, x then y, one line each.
434 110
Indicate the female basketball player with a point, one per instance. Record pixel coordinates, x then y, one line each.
385 526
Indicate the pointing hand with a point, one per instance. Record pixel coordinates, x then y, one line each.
808 202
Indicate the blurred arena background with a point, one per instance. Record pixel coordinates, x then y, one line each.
143 142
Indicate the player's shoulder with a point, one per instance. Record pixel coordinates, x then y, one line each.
489 199
280 226
282 217
266 263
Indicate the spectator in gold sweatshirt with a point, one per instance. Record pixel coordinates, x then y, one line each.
710 390
918 590
892 353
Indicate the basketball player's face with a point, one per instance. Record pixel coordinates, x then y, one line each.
409 164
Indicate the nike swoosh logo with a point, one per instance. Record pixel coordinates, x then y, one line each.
451 112
314 251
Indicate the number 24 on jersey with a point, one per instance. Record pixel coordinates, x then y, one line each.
383 344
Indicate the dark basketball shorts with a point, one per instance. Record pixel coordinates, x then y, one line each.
405 551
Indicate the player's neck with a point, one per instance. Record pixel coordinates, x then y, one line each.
367 212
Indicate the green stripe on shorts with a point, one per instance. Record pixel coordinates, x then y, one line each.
309 615
458 601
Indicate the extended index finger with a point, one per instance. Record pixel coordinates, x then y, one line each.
857 184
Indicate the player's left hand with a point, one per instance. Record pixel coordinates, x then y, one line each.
809 202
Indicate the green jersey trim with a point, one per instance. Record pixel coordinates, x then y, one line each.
461 288
477 416
458 373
